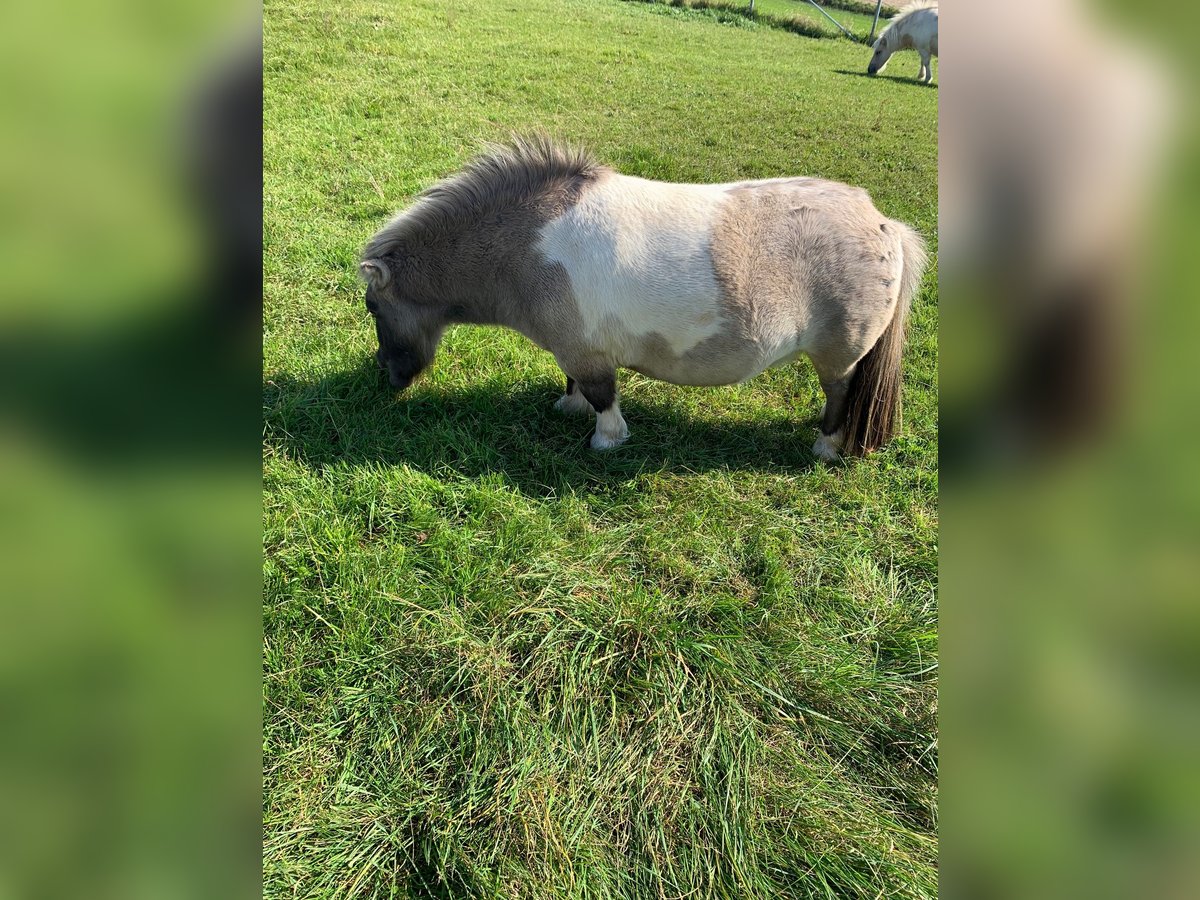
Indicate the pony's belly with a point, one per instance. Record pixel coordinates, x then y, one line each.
712 364
678 372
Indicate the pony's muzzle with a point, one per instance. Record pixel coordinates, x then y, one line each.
396 379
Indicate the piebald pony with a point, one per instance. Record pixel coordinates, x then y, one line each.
697 284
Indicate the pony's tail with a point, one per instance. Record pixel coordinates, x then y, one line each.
873 401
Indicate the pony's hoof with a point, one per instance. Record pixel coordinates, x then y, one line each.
608 441
573 405
828 447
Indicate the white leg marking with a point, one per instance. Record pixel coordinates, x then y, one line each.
573 404
829 446
611 429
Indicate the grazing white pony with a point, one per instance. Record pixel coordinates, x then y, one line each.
914 28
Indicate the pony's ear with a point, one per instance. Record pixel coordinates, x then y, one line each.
375 272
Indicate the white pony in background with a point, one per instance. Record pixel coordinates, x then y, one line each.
914 28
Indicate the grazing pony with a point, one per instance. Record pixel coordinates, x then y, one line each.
698 284
914 28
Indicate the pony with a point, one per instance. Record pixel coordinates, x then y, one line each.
914 28
693 284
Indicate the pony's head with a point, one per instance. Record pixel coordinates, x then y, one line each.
882 52
408 325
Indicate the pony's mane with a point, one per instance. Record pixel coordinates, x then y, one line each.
908 10
503 173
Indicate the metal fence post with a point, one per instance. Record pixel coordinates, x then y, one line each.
878 6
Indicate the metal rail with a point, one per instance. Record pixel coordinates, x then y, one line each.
841 27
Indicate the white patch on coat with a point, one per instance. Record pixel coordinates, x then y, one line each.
637 253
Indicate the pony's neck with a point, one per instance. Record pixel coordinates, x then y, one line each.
479 310
461 288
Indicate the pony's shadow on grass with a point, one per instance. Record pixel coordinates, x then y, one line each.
901 79
510 429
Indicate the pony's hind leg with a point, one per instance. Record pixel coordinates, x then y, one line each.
926 73
573 402
836 385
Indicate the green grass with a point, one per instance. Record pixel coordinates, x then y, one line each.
791 15
497 664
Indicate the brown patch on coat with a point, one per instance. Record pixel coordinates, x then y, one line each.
807 252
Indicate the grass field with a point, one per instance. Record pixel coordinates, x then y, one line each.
497 664
857 23
810 21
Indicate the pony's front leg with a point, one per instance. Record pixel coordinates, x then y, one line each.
601 392
573 402
926 73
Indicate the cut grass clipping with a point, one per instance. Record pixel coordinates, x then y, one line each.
497 664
